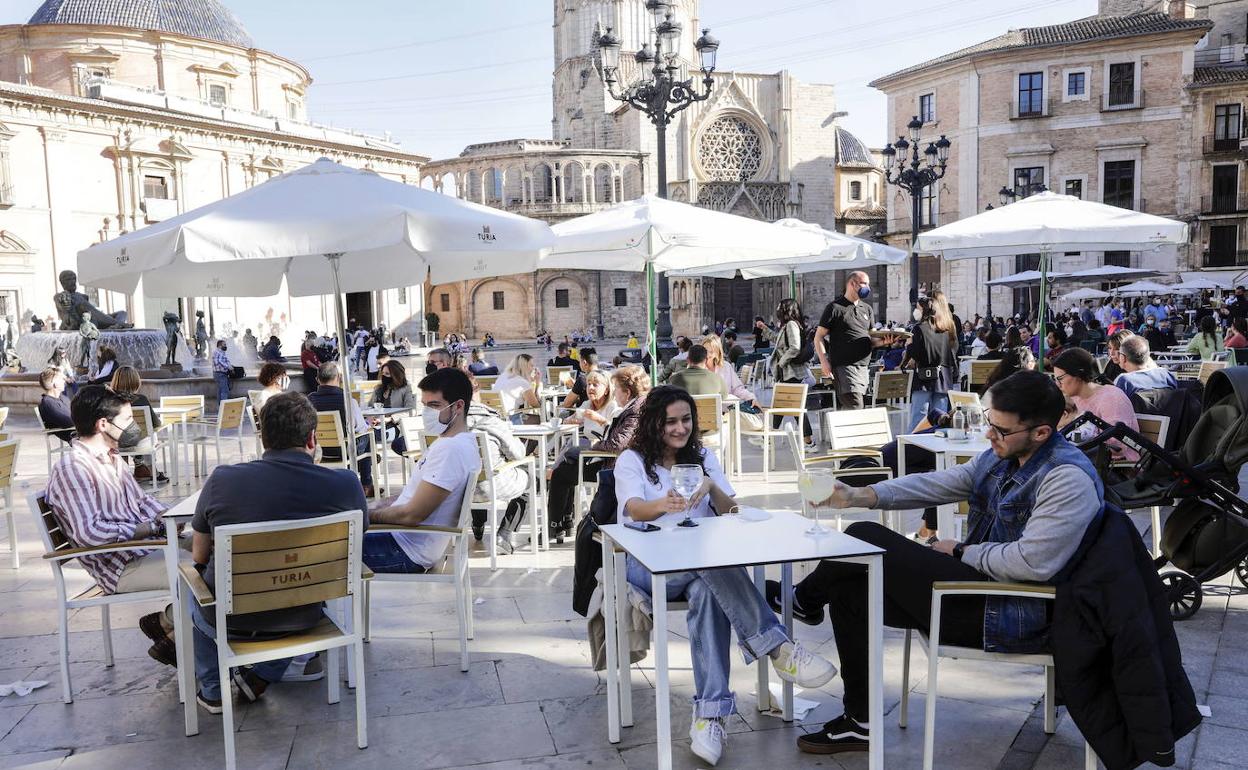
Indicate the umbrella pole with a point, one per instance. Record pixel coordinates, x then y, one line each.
652 342
1044 299
349 427
793 284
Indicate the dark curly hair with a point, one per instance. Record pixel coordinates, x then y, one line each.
648 439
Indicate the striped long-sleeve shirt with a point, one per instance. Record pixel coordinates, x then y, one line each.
96 501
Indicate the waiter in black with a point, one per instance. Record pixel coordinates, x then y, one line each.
843 341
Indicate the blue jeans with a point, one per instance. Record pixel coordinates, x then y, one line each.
921 402
382 553
205 637
223 385
720 600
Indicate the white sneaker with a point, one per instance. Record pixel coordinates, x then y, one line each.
794 663
707 738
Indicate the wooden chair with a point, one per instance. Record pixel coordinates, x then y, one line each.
52 445
8 462
893 390
229 418
57 551
554 374
362 390
182 402
494 400
253 416
746 374
851 433
410 428
276 565
329 433
787 400
151 441
941 590
1155 428
4 416
965 399
493 504
1207 369
452 569
486 381
979 375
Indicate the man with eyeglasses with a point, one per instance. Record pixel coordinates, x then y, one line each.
1032 496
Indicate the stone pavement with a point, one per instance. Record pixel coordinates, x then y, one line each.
530 699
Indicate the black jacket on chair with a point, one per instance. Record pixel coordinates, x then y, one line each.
1118 664
588 553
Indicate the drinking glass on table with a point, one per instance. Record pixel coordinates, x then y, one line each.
815 485
685 480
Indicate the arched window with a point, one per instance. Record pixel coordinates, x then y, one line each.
855 191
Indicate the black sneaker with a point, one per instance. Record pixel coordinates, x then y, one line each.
250 686
809 617
840 735
211 706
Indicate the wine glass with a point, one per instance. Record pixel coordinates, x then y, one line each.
685 480
815 485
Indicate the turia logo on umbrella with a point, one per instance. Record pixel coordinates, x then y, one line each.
479 267
215 285
123 258
485 236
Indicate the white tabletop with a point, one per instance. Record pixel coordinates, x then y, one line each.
730 541
934 443
387 411
184 509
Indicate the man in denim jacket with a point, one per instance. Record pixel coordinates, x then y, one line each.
1031 498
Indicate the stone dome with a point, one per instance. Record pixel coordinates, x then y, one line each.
207 19
853 151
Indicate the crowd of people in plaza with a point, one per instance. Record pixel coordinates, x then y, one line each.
640 430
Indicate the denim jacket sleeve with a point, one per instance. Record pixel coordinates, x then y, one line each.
920 490
1066 502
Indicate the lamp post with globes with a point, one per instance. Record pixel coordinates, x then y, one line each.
905 168
659 92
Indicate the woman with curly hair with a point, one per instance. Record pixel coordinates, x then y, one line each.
720 600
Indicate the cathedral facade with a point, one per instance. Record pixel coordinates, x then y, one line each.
765 146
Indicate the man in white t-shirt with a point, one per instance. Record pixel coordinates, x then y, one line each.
435 491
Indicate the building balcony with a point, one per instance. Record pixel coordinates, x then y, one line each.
1029 112
1232 203
1227 258
1213 145
1222 57
1122 98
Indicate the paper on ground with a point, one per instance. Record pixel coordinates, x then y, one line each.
20 688
801 706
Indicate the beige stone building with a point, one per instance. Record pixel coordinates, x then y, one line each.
1107 108
117 115
763 146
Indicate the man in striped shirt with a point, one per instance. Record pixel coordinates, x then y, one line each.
96 501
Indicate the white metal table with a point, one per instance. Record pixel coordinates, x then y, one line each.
730 541
178 416
544 432
179 514
944 449
384 414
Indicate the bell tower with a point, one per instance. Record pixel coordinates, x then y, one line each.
582 107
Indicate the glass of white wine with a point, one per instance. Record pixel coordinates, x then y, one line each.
816 485
685 480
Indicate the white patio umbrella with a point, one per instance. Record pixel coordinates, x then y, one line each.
840 252
1201 283
1047 223
1078 295
1141 288
1025 278
1107 273
654 235
324 228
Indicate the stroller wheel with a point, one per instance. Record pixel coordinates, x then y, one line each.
1241 572
1183 593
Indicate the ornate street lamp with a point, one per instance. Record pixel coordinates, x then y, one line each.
904 168
659 93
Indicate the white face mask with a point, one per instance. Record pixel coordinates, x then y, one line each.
917 314
432 419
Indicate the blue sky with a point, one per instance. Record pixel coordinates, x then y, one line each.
441 75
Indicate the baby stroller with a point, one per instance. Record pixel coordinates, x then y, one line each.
1206 535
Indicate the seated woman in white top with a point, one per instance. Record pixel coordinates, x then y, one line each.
720 600
596 413
518 383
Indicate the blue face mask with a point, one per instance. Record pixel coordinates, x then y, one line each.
864 292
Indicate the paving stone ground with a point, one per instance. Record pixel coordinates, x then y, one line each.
530 699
